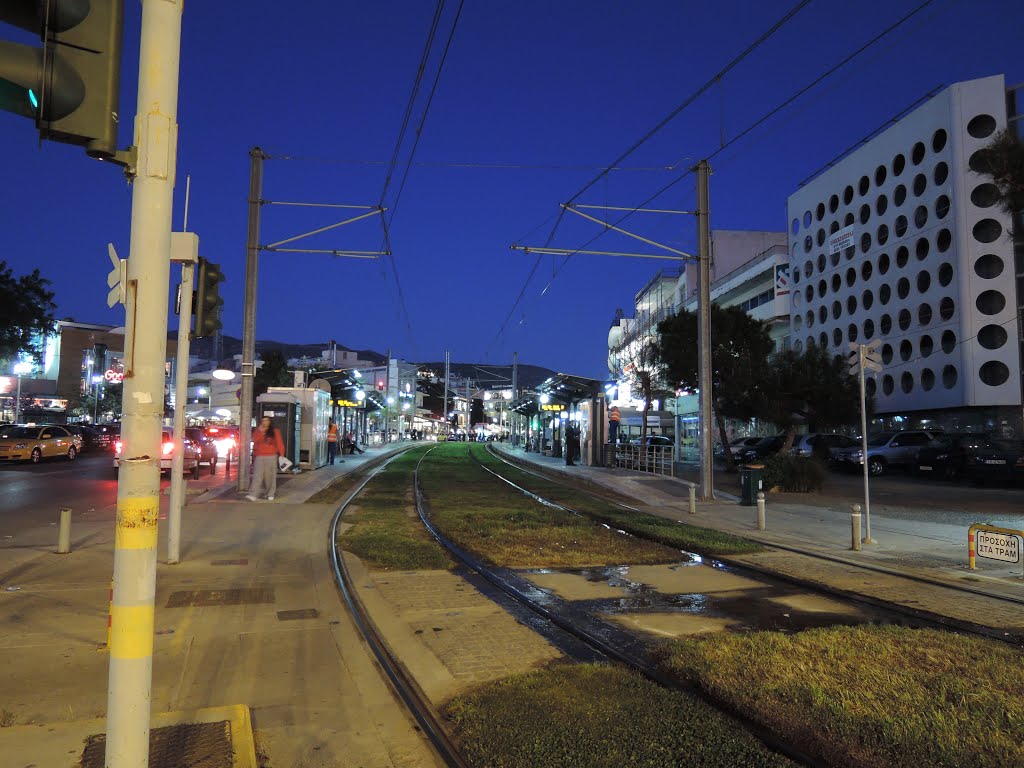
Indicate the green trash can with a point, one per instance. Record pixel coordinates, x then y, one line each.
750 483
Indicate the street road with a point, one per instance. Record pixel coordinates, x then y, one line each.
31 495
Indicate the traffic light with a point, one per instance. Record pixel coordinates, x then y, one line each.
207 302
70 85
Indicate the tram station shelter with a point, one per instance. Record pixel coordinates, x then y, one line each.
555 402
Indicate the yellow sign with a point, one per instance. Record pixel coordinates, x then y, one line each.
552 407
346 404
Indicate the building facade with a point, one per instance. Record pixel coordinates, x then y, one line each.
902 244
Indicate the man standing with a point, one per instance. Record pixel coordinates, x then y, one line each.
332 441
572 437
613 424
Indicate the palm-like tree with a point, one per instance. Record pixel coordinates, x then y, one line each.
1003 160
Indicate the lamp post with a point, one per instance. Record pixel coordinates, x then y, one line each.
96 379
19 370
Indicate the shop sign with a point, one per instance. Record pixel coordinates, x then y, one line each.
114 377
841 240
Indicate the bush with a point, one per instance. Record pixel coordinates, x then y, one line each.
793 473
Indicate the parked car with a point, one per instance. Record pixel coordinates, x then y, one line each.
737 446
824 445
191 456
947 456
763 448
888 449
37 442
106 435
662 441
89 441
208 452
1000 465
227 440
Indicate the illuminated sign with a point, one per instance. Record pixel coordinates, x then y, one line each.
114 377
346 404
552 407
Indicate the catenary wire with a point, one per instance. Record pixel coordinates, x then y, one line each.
760 121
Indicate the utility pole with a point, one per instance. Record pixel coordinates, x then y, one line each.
252 253
704 327
447 373
387 397
513 416
130 677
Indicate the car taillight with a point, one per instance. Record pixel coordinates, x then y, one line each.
117 447
167 448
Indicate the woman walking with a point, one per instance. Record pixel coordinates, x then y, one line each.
266 447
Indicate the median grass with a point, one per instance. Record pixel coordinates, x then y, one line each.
481 513
869 697
386 532
692 538
596 716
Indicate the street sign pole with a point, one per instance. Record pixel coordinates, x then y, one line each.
864 447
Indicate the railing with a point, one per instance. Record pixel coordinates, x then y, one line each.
656 459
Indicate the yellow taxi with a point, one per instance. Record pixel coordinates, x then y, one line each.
37 442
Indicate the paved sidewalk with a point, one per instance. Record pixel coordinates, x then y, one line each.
813 543
251 616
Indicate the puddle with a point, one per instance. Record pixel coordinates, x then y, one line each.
694 597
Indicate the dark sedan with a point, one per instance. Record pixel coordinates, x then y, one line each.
948 456
767 446
1003 465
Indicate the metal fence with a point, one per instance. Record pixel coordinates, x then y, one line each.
656 459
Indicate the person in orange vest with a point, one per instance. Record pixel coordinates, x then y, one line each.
332 441
613 424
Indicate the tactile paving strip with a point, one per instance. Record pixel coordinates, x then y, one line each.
190 745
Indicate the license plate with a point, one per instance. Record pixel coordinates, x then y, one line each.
925 469
995 461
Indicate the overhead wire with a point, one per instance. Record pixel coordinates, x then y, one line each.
760 121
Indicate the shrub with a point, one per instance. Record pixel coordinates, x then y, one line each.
793 473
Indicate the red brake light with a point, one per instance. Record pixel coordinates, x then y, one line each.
117 446
167 448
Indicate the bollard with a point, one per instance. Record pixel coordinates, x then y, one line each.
855 524
760 510
693 500
64 536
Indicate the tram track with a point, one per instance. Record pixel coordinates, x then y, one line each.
604 638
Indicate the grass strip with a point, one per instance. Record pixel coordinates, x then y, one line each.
484 515
869 696
692 538
337 489
386 532
597 716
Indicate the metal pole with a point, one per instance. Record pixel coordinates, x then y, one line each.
17 403
138 490
514 437
180 399
252 252
387 396
864 449
95 401
704 328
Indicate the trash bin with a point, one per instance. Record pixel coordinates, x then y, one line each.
750 483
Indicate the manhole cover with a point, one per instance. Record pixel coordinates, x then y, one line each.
207 597
190 745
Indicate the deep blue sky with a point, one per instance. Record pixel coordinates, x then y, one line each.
557 89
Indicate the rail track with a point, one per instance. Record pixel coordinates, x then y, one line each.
601 636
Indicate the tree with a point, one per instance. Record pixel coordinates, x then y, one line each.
1003 161
813 387
740 348
273 373
642 368
26 314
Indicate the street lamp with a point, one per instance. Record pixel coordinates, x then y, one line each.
19 370
204 391
96 379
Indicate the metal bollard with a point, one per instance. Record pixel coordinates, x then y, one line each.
693 500
64 537
760 510
855 523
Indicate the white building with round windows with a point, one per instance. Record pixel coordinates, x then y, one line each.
902 241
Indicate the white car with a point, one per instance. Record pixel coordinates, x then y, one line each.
190 464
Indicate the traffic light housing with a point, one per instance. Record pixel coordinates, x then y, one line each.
207 302
69 86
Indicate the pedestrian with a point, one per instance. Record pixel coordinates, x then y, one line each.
613 424
572 433
266 448
353 443
332 441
